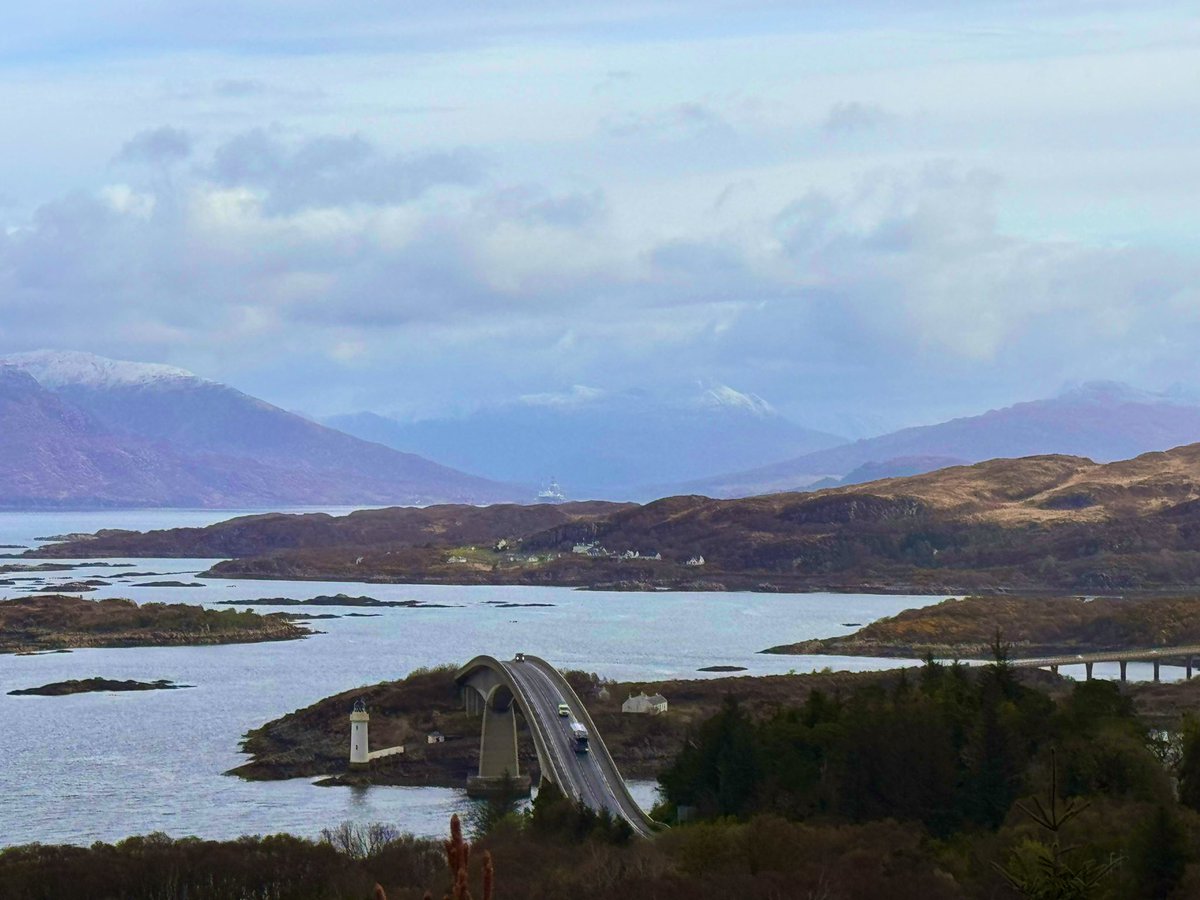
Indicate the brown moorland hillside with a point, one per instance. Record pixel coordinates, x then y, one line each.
1032 627
1037 524
443 525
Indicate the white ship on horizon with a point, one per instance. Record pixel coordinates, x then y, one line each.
551 493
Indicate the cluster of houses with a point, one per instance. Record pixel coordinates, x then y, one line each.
595 551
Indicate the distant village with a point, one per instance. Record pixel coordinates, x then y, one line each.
596 551
592 550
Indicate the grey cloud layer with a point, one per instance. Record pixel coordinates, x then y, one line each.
904 209
427 270
332 171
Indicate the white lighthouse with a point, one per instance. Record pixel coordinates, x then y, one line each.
359 718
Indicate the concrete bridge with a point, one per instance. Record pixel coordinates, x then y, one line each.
495 689
1179 656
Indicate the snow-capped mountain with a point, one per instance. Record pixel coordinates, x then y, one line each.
721 396
600 443
59 368
214 445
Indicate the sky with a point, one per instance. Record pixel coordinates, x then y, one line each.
868 213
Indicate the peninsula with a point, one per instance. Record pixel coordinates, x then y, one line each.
1030 626
56 622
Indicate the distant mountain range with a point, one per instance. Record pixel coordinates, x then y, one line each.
602 444
77 430
1102 421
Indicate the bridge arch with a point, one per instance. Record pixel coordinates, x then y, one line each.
488 690
495 689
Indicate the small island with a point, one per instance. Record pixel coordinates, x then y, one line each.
94 685
338 600
54 622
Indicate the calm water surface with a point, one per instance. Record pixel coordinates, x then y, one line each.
103 766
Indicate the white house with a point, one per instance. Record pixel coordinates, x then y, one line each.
643 703
435 737
695 561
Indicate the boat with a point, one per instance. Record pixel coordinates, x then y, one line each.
551 493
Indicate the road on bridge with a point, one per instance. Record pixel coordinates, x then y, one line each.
591 777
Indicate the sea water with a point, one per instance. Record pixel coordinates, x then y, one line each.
103 766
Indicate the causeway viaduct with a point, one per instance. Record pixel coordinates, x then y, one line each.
1179 656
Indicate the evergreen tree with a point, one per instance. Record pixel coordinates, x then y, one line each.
1158 856
1189 764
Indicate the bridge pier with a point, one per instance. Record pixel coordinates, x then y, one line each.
1088 668
1156 670
1054 669
1188 665
1124 663
499 766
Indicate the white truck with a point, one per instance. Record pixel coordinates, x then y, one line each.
579 738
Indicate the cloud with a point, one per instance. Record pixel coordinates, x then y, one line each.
239 87
157 146
278 250
447 209
680 120
578 395
533 204
335 170
851 118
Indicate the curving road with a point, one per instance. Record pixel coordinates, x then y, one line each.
591 777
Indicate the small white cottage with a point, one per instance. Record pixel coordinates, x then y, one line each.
645 703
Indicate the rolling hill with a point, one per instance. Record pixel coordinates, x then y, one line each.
1102 421
1044 523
